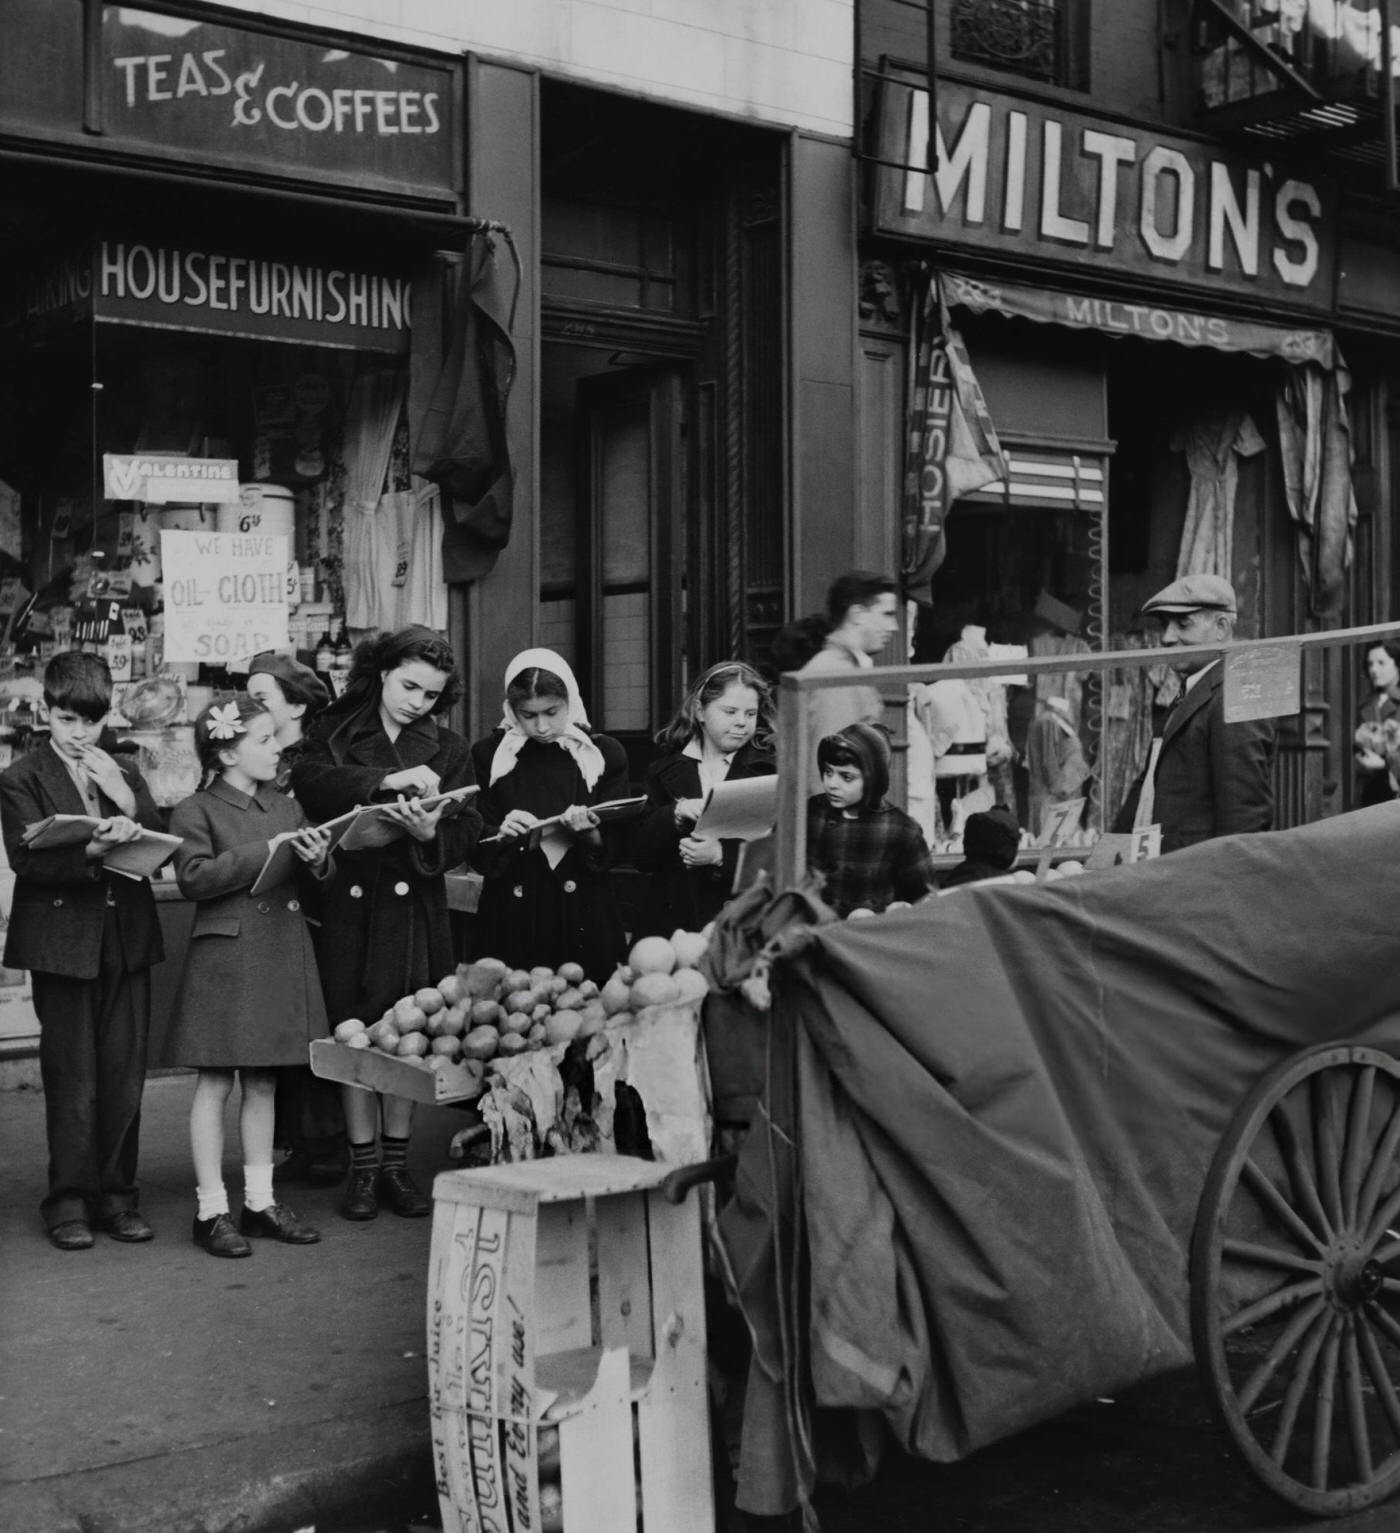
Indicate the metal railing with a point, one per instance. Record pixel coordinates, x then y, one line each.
795 748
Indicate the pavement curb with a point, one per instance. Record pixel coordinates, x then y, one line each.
324 1477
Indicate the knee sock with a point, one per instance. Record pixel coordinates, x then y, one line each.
213 1201
364 1157
257 1187
395 1152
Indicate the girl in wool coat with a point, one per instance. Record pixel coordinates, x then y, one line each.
551 902
385 932
249 998
720 733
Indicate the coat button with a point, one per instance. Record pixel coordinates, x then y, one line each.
569 886
57 903
293 904
356 892
518 892
263 907
401 887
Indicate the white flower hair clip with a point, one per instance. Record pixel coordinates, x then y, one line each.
224 723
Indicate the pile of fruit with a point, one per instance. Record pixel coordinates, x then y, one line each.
485 1009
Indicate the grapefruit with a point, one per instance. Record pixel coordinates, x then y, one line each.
653 990
651 955
690 948
346 1030
428 1000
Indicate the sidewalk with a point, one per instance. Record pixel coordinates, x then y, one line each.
155 1389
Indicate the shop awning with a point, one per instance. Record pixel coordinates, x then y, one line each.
1145 321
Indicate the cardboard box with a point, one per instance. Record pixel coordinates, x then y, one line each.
332 1061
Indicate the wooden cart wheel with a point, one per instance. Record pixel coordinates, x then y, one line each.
1295 1279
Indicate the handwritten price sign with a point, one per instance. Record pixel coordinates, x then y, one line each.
225 595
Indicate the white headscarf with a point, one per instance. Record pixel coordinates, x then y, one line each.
575 739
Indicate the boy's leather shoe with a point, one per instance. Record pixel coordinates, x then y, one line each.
396 1188
219 1238
359 1201
277 1222
126 1225
71 1235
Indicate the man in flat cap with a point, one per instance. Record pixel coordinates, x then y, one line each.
1205 777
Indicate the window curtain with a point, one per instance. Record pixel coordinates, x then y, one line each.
371 529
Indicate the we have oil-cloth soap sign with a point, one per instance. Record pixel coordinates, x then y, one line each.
225 595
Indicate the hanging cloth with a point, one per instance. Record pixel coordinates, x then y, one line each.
371 416
1315 444
575 740
462 365
1213 444
423 588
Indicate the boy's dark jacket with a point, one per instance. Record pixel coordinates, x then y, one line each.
61 895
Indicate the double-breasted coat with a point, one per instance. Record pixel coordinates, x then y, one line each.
385 929
678 896
62 896
532 913
250 995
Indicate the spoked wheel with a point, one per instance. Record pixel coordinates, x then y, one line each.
1295 1280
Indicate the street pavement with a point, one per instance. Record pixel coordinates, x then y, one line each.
154 1389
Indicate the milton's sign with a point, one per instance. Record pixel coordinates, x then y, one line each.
1020 177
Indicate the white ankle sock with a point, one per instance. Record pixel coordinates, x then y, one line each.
213 1201
257 1187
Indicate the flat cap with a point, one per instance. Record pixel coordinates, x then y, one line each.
288 670
1194 593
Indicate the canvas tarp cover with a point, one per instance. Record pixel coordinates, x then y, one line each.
1003 1104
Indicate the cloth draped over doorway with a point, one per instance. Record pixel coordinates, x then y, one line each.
1315 445
462 366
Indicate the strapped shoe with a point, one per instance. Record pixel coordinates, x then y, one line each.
126 1225
359 1201
71 1235
277 1222
397 1189
219 1238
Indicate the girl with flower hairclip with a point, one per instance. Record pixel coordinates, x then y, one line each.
250 997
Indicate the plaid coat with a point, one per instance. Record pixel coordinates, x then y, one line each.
868 861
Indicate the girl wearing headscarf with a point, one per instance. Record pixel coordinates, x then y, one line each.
547 899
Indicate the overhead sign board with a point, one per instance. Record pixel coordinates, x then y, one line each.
221 292
249 99
1026 178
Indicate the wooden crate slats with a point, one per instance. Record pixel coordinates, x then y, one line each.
673 1414
561 1277
515 1378
624 1274
485 1352
597 1474
450 1269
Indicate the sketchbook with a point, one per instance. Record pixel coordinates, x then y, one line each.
141 858
357 830
739 811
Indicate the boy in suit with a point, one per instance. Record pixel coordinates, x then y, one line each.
88 938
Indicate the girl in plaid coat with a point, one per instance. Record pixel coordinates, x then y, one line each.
867 852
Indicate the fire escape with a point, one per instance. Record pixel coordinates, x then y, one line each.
1317 75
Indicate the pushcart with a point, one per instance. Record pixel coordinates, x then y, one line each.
1167 1124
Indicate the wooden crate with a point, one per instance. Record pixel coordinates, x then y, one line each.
518 1340
332 1061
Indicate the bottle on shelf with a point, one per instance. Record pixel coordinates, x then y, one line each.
325 655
